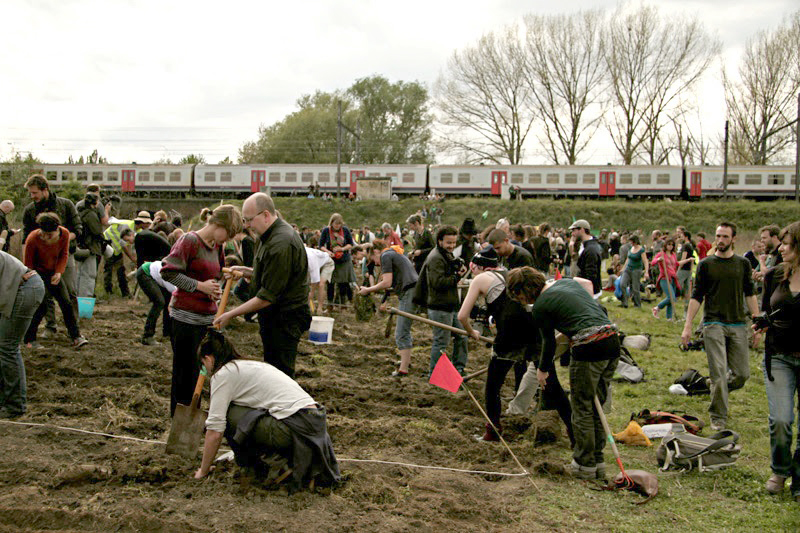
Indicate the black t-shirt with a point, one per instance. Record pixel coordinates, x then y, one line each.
689 249
722 283
150 247
520 257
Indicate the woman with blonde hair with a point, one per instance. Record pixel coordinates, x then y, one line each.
194 265
336 240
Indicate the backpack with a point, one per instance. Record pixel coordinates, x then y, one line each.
420 297
627 369
693 382
684 451
690 423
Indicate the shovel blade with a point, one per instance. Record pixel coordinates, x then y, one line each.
186 431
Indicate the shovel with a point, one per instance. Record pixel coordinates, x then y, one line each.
189 420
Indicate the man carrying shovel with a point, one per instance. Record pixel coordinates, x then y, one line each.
565 306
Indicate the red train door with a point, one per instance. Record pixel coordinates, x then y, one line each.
128 180
354 175
696 184
498 179
258 179
608 184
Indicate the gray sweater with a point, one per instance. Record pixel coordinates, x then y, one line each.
11 272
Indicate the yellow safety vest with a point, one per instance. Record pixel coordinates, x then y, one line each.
112 233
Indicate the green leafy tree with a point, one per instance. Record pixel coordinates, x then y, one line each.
93 159
192 159
13 174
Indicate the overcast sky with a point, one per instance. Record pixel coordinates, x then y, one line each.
141 80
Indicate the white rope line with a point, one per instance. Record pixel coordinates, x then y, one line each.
340 459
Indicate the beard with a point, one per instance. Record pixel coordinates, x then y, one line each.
723 247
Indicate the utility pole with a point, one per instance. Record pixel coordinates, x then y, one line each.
725 167
797 154
339 151
358 141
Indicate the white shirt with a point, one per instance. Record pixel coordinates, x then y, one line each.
316 260
155 273
256 385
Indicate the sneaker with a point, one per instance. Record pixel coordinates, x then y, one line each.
35 345
80 342
150 341
717 426
600 472
489 435
48 333
399 374
775 484
586 473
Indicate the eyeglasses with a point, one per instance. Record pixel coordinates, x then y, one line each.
248 220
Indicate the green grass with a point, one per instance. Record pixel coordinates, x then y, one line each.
733 499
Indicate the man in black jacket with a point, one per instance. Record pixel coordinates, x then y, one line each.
443 272
45 200
591 255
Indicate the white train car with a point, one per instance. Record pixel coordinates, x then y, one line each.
468 179
134 179
638 181
743 181
406 179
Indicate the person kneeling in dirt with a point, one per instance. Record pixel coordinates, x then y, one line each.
566 306
262 411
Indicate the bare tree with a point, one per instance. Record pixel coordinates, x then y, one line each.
484 102
565 72
762 102
651 60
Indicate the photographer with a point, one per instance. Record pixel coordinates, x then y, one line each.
443 272
90 245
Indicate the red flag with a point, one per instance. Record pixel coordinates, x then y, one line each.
558 275
445 375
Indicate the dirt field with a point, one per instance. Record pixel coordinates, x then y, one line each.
55 480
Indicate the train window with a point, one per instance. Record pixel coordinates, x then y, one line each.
343 177
534 178
160 176
446 178
775 179
290 177
274 177
571 179
324 176
645 179
662 179
733 179
516 178
52 175
210 176
752 179
589 179
67 175
625 179
83 175
144 175
174 176
113 175
463 177
408 177
307 177
97 175
226 176
552 178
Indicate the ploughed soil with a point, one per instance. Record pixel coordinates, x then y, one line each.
52 479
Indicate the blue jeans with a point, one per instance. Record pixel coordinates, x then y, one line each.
441 340
13 389
781 395
402 331
666 301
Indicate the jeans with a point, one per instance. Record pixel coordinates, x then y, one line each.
60 293
684 278
726 350
633 279
159 298
87 276
666 302
116 262
441 339
781 396
280 331
13 389
402 331
587 379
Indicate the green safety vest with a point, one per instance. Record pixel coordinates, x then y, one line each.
112 233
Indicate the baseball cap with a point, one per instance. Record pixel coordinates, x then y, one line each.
580 224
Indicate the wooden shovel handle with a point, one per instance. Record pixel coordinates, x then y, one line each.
198 390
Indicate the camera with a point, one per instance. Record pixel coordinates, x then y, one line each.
696 346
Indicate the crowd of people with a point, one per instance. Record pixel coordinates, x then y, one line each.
539 287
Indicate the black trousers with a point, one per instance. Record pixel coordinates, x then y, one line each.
159 298
186 339
61 295
280 331
115 263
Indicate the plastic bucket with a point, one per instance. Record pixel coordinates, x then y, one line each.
321 330
85 307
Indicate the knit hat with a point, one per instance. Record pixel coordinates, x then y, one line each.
486 258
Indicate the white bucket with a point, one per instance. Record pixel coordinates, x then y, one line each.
321 330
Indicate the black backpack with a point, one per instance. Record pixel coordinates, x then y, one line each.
693 382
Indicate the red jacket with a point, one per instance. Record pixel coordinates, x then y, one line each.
47 259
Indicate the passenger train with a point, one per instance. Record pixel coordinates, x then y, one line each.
587 181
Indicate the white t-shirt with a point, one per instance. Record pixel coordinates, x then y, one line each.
155 273
256 385
316 260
